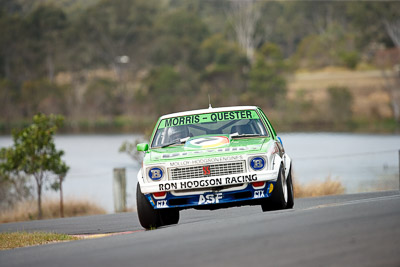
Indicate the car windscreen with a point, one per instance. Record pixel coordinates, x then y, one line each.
243 122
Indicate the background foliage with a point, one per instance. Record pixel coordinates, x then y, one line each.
33 154
116 65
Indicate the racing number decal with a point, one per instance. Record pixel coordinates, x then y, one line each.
210 199
207 142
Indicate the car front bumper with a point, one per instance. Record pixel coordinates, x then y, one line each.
208 199
208 182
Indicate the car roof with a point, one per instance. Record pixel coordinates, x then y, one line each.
208 110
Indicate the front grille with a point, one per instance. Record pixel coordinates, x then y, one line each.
219 169
214 189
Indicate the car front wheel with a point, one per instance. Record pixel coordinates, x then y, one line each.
148 216
279 197
152 218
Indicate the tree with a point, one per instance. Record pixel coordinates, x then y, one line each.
8 99
224 72
393 85
119 28
14 185
34 153
13 52
316 50
267 76
47 24
103 97
393 30
130 149
244 16
43 96
340 103
179 35
385 28
61 172
165 88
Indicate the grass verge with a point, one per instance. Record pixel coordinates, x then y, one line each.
26 211
24 239
318 188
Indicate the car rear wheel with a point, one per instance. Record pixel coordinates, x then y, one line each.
279 197
290 202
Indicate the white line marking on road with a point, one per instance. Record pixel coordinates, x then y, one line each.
359 201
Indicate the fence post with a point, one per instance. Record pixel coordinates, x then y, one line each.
119 189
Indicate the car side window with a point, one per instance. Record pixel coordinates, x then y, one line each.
266 121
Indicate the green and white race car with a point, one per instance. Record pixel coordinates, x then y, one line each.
209 159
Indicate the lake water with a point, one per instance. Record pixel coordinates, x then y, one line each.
361 162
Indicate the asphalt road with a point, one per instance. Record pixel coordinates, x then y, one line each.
348 230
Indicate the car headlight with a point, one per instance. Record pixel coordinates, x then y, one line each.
155 173
258 163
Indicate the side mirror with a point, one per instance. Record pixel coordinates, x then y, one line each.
142 147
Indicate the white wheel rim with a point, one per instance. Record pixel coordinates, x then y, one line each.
284 186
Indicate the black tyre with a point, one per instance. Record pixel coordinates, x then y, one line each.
279 197
169 216
148 216
290 201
